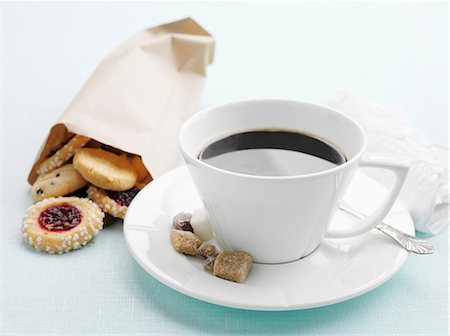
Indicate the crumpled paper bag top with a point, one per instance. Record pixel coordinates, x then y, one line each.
139 95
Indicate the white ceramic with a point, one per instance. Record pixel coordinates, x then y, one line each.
280 218
338 270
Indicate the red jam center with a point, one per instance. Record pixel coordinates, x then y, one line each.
123 198
62 217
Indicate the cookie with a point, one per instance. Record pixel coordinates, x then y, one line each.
105 169
62 155
58 225
114 203
59 182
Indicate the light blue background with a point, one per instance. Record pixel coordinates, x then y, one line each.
396 53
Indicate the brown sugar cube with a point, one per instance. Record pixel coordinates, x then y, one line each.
206 250
185 241
233 265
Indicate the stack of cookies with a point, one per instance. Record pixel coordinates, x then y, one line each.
75 186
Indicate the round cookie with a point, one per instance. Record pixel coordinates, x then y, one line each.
59 182
105 169
62 155
114 203
58 225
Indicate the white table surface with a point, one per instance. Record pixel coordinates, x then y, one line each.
396 53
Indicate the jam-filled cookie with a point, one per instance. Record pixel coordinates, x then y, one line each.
62 155
114 203
105 169
58 225
59 182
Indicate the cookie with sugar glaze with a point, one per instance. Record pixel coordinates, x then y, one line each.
63 224
63 155
114 203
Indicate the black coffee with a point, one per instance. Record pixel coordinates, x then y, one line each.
271 153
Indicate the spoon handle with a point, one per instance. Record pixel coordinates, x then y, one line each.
408 242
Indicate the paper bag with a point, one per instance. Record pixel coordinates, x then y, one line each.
139 95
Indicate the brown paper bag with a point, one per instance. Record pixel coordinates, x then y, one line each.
139 95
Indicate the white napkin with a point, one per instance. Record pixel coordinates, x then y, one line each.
425 193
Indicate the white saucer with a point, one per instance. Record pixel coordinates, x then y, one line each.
338 270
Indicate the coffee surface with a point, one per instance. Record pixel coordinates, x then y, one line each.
271 153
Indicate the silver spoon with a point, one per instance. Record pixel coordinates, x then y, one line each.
408 242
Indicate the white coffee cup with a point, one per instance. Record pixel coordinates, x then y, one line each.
280 218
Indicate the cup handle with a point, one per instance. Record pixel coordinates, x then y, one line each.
400 170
